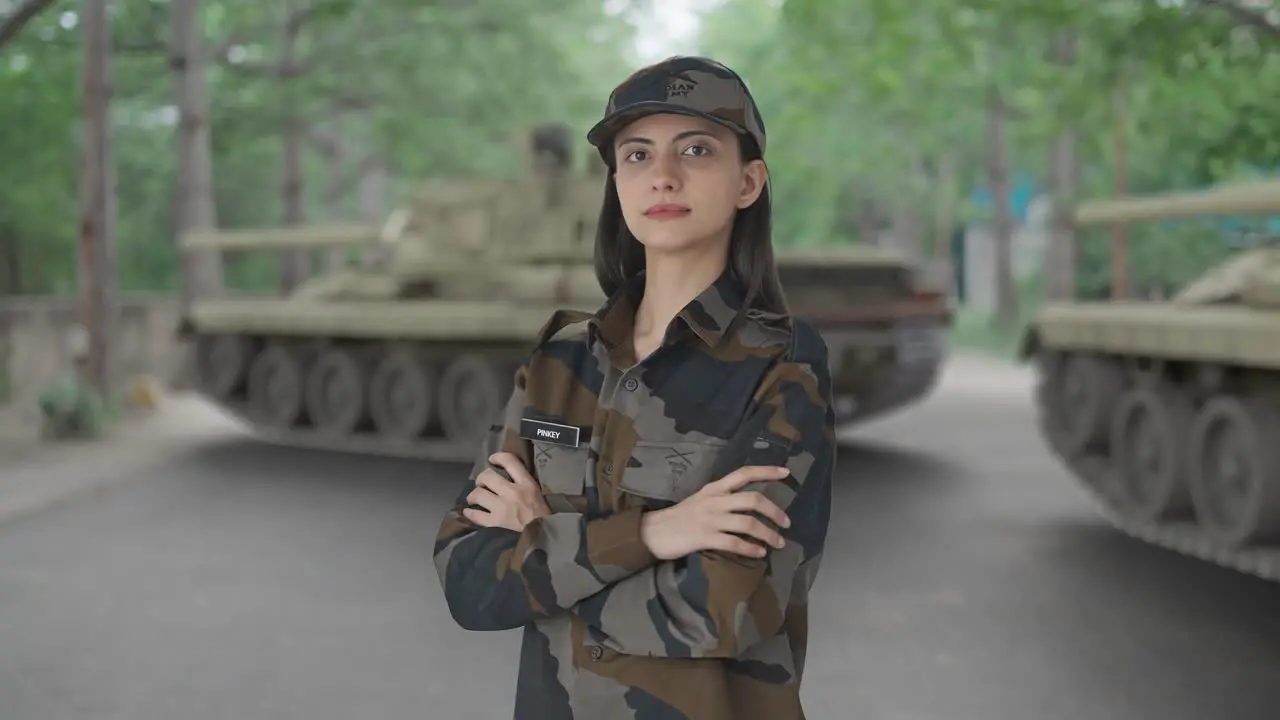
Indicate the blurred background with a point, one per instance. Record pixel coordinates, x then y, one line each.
940 126
210 575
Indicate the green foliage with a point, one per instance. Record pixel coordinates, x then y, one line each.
864 96
434 89
1161 257
977 330
864 99
71 410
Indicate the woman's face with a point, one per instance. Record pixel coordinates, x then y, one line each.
681 180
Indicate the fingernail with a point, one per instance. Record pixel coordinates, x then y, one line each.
783 471
786 521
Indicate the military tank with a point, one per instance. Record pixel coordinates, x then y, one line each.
1168 412
885 326
414 355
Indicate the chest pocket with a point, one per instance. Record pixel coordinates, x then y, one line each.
562 471
670 471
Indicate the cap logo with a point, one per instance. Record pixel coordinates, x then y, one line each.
689 85
680 86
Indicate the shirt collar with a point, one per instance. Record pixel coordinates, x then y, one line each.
708 315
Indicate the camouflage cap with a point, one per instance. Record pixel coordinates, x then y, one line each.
687 85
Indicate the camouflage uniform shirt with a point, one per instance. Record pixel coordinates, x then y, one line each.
609 631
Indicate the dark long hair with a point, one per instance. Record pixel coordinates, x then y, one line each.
619 256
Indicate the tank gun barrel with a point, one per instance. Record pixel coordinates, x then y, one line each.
1256 197
285 238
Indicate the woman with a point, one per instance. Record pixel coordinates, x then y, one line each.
653 509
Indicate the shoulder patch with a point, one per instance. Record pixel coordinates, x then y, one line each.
562 324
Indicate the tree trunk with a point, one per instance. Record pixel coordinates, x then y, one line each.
906 231
944 222
1064 176
294 264
1002 214
12 24
11 251
373 189
97 258
1119 244
196 206
868 215
372 203
335 153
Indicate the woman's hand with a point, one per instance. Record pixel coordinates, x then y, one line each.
704 520
511 504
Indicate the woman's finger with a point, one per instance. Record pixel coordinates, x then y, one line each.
480 517
736 545
481 496
514 466
747 525
494 483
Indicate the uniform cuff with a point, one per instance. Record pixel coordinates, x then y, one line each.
614 541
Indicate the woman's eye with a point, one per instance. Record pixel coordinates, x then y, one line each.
700 150
633 156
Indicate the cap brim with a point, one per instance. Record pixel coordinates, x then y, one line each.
602 132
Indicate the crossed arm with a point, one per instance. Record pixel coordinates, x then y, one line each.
599 569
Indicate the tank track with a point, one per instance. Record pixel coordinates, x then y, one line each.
226 382
1183 537
437 449
222 378
1096 476
434 449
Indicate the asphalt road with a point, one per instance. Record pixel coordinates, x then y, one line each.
965 580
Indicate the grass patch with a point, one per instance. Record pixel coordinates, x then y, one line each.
70 409
975 330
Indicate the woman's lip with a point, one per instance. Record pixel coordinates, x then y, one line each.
666 211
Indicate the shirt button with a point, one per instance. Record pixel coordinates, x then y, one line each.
597 652
632 384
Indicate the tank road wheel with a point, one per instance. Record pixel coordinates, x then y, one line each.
402 395
222 362
1083 396
1235 470
276 387
1047 369
1149 433
472 395
336 393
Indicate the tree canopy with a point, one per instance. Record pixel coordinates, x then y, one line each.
881 113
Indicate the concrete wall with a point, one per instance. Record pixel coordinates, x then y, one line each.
33 341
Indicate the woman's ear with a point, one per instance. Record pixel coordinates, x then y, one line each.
754 176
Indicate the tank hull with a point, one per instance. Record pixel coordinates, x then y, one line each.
1167 413
1135 398
884 358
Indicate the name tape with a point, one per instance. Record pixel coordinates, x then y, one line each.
555 433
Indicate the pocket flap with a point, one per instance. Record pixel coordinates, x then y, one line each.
671 470
560 470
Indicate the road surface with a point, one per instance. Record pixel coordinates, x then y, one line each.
965 580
